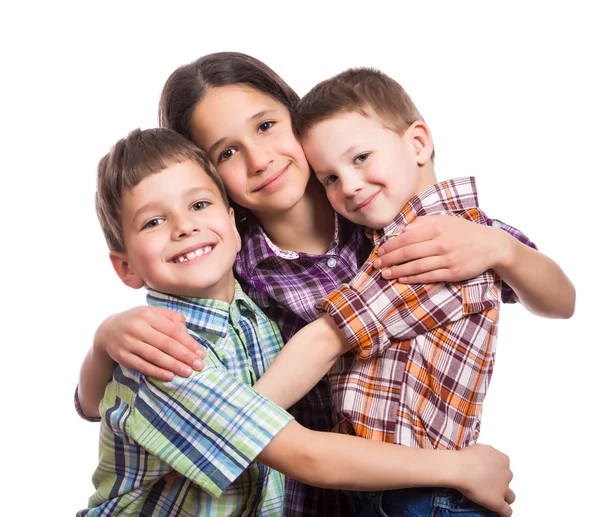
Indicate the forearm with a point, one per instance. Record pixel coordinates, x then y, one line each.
95 373
331 460
303 361
540 284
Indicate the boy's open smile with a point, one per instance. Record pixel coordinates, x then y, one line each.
182 220
191 253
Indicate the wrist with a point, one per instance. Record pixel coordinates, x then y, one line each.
451 470
505 251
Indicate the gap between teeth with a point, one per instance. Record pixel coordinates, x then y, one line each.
193 254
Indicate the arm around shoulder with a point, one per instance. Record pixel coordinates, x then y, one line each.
539 282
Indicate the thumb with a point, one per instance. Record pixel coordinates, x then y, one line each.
174 316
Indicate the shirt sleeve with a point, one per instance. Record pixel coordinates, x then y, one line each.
371 310
209 427
80 411
508 295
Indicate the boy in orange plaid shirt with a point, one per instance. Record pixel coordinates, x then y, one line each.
422 354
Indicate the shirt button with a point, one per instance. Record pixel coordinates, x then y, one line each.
331 262
496 224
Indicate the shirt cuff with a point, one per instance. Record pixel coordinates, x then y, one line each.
80 411
358 323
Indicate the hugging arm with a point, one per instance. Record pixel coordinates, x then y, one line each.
438 248
326 460
153 340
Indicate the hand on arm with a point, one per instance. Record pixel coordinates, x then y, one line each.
440 248
303 362
338 461
152 340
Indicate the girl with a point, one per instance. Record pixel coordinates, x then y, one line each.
295 249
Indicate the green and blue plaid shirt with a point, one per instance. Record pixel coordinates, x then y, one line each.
209 427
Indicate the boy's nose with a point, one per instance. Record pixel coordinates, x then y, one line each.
184 227
351 184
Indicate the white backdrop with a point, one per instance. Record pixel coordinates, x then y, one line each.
510 93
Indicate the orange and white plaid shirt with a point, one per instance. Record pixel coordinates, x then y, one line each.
422 354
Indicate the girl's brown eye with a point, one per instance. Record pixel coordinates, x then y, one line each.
265 126
226 154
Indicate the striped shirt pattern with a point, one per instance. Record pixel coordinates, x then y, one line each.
288 286
424 352
209 427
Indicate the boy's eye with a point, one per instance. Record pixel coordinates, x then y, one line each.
200 205
226 154
328 180
265 126
362 157
153 223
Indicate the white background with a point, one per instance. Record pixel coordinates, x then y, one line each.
510 92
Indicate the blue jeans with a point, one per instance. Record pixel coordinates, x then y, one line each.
415 502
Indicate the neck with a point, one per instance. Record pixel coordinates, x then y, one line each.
427 178
307 227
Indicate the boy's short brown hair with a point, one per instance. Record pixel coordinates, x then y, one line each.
133 158
357 90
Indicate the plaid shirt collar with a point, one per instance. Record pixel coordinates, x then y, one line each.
205 315
446 196
257 246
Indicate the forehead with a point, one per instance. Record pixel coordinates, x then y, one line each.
341 129
225 109
176 179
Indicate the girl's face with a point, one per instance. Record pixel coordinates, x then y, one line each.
248 136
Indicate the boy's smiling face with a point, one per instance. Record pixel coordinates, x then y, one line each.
369 171
180 238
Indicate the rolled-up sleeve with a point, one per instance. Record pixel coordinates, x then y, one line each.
371 310
209 427
80 412
508 295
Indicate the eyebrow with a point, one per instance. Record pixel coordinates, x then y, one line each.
350 150
254 117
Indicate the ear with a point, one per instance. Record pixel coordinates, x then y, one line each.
420 138
235 230
127 275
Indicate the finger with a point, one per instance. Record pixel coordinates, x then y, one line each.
431 268
504 510
149 369
420 230
407 253
179 338
174 316
431 277
510 496
167 353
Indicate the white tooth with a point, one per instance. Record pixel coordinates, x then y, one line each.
207 249
190 255
181 259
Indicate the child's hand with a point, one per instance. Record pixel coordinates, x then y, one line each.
441 248
484 477
153 340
